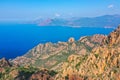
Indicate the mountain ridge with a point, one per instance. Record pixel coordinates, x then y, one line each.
100 61
47 52
105 21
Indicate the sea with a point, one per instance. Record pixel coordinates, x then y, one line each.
17 39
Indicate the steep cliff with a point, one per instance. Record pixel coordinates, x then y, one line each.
103 63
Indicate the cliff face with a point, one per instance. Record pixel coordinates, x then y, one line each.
114 37
102 63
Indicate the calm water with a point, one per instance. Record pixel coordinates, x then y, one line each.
17 39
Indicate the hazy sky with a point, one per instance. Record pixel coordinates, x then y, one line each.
20 10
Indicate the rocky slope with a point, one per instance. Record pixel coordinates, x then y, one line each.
90 58
103 63
12 72
4 63
52 56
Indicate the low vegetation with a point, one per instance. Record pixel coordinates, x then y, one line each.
89 58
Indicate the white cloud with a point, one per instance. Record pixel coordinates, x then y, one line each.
57 15
111 6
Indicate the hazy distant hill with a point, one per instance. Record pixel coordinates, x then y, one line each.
106 21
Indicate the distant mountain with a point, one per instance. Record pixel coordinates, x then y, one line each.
106 21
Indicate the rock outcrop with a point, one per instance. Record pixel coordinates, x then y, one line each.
90 58
4 63
71 40
41 75
103 63
51 55
114 37
8 72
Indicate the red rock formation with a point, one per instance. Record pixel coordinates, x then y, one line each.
41 75
4 63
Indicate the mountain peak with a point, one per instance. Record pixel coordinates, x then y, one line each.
71 40
114 37
4 63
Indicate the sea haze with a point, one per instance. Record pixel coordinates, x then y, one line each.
17 39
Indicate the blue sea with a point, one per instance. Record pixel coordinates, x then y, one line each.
17 39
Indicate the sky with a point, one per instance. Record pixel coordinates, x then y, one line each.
25 10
